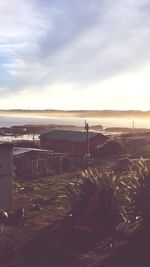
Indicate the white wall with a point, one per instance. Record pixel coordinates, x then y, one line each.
5 176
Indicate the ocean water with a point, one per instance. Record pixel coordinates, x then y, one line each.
8 121
23 137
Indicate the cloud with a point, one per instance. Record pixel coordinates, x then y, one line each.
21 27
83 43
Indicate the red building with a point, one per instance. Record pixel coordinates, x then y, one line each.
71 141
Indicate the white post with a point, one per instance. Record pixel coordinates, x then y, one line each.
6 164
87 137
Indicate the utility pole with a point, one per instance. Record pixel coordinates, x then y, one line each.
133 124
87 140
33 138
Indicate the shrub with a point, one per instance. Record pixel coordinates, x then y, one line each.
94 203
134 193
101 202
110 149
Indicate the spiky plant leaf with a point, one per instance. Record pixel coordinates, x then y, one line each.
94 201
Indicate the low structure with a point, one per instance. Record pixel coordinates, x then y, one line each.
6 176
30 163
71 141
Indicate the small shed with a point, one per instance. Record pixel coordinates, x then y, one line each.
30 163
67 141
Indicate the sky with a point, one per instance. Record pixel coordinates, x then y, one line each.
75 54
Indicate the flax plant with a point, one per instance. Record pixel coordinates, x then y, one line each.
94 203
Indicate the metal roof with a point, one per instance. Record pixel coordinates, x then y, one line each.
23 150
75 136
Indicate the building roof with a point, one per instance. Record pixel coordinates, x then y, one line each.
75 136
22 150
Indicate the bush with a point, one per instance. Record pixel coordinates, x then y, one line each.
94 203
110 149
103 202
134 193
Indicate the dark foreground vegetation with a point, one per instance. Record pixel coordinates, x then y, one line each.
106 222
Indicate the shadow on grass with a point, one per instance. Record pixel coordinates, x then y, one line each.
56 246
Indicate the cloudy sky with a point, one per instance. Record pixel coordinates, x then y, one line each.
75 54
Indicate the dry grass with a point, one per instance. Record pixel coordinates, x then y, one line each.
44 201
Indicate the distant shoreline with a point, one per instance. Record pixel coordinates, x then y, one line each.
129 114
125 119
